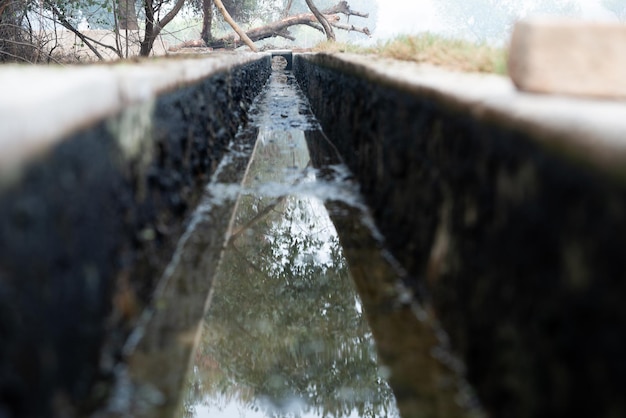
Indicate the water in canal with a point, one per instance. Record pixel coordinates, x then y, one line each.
285 334
303 288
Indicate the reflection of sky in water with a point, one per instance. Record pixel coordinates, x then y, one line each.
285 335
294 247
232 408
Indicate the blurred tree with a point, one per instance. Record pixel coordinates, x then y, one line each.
280 28
491 20
617 7
13 36
154 23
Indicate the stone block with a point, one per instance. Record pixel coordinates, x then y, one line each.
569 57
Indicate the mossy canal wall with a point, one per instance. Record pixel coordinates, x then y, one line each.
101 167
508 212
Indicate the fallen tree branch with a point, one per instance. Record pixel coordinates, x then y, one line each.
315 26
194 43
281 28
328 30
234 25
343 8
287 35
352 28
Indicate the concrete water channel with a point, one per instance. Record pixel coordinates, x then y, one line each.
289 326
285 334
195 242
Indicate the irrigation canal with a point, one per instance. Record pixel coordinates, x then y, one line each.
195 243
307 315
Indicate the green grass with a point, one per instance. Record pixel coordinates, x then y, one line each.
432 49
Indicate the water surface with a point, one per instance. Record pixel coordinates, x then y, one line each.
285 334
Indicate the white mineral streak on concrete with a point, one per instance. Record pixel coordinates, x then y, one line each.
39 106
590 130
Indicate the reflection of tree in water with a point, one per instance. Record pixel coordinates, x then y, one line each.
285 323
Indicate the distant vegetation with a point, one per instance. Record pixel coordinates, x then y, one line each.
432 49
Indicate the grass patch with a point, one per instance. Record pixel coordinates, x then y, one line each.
331 47
432 49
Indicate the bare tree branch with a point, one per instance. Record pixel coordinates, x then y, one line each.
351 28
235 26
169 16
67 25
154 27
330 34
280 28
343 8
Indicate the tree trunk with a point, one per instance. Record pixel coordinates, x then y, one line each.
153 29
127 15
148 38
207 21
235 26
328 30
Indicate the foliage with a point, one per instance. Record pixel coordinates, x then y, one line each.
454 54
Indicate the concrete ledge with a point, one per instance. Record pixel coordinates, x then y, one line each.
590 131
569 57
41 105
508 213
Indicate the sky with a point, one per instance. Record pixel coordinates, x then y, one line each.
412 16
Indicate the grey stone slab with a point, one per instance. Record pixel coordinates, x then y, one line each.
569 57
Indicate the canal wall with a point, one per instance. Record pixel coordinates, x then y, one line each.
508 212
100 169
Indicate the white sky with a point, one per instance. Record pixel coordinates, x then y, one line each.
412 16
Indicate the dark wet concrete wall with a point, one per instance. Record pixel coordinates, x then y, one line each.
519 250
87 231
